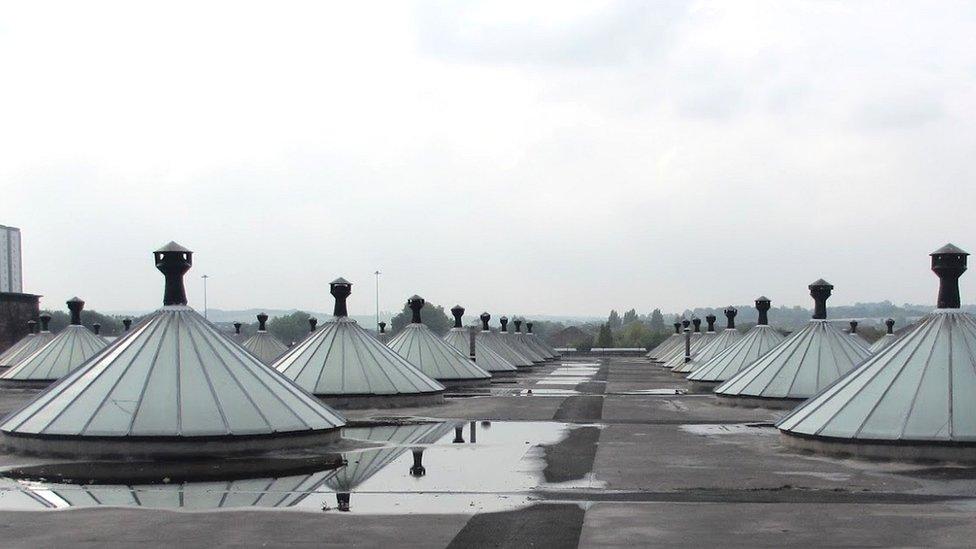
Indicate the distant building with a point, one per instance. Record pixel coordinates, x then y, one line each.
11 279
16 307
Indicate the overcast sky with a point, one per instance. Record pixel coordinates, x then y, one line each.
520 157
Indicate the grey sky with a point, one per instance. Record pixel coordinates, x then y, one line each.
551 157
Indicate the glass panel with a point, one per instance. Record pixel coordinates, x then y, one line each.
204 495
964 379
774 374
276 406
159 496
857 396
76 496
316 370
200 414
376 371
889 417
929 416
157 412
131 370
113 495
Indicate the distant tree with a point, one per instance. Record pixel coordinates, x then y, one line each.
432 315
584 344
59 320
657 322
605 337
289 328
111 326
614 321
871 333
635 334
630 317
544 328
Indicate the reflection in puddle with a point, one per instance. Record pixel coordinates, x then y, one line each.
652 392
468 467
563 381
548 392
574 372
731 429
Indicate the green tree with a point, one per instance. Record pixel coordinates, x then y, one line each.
613 322
111 325
605 337
630 317
584 344
290 328
657 322
635 334
432 315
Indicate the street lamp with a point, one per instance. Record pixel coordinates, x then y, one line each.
377 273
205 277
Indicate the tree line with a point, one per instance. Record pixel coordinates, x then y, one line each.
647 330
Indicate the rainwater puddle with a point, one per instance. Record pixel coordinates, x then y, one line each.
548 392
440 468
730 429
658 392
574 372
563 380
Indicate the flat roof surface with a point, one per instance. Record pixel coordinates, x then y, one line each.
638 467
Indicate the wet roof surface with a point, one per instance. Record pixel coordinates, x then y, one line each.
631 461
454 480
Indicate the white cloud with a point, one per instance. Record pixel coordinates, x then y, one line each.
558 157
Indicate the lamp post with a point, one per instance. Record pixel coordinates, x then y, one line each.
205 277
377 273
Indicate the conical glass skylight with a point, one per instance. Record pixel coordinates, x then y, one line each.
699 340
914 399
487 338
852 332
679 347
530 342
59 356
33 341
669 343
508 338
725 339
237 335
809 360
422 348
484 356
264 345
886 339
345 365
539 341
755 343
173 386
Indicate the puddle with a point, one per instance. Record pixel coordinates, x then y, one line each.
730 429
548 392
574 372
833 477
451 467
659 392
563 380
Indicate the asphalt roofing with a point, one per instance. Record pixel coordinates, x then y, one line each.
622 457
